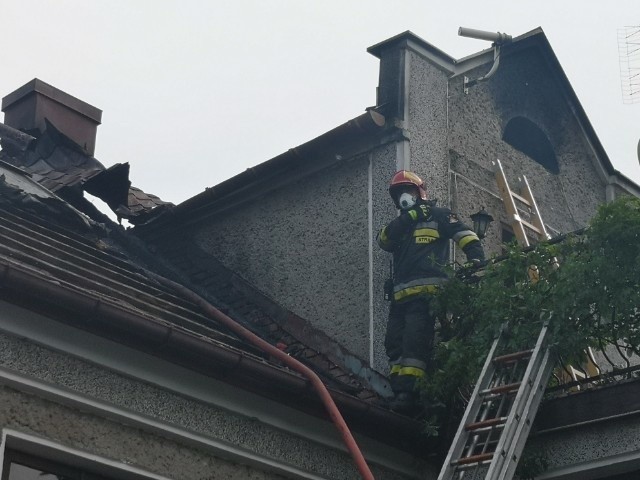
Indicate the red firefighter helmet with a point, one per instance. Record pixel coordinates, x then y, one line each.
403 178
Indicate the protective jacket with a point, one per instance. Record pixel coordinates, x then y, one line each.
421 249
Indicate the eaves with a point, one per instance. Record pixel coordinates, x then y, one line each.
355 137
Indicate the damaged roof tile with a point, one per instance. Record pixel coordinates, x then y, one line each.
59 164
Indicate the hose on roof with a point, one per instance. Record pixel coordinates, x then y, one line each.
289 361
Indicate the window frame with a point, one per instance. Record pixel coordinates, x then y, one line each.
40 451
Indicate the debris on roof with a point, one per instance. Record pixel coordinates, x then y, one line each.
17 190
59 164
47 235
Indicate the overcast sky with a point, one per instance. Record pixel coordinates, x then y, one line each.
194 92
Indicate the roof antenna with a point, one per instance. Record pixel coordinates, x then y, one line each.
629 55
498 40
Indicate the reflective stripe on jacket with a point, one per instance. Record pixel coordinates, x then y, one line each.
421 250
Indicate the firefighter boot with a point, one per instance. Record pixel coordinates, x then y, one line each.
405 403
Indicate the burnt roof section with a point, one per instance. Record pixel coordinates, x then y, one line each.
47 236
59 164
56 162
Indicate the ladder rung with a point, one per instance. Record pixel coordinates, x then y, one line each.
530 226
492 422
483 457
510 387
462 468
521 198
512 357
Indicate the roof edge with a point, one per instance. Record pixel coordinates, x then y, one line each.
361 128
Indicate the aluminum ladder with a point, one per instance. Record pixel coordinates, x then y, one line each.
501 410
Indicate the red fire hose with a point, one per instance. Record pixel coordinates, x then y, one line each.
291 362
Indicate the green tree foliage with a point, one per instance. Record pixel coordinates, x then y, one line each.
590 300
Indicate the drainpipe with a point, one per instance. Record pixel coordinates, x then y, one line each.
498 40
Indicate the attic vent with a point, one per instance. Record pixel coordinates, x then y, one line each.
525 136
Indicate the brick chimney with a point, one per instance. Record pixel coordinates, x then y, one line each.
27 107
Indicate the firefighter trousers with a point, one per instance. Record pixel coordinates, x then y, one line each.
409 342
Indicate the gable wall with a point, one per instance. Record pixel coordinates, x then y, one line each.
522 86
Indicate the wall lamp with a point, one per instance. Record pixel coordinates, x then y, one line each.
481 221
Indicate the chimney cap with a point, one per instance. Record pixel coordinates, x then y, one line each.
38 86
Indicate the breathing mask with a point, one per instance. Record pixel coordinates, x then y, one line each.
407 200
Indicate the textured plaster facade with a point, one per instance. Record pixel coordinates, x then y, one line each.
596 451
427 124
98 409
306 245
382 211
72 428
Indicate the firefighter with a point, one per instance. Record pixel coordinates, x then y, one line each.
419 240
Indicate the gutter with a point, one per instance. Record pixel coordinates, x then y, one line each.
201 354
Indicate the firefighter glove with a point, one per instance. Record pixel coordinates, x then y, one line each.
420 212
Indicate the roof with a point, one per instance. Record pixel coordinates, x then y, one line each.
59 263
47 239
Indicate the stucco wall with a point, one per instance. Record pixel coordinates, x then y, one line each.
106 439
383 212
85 406
306 246
594 451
